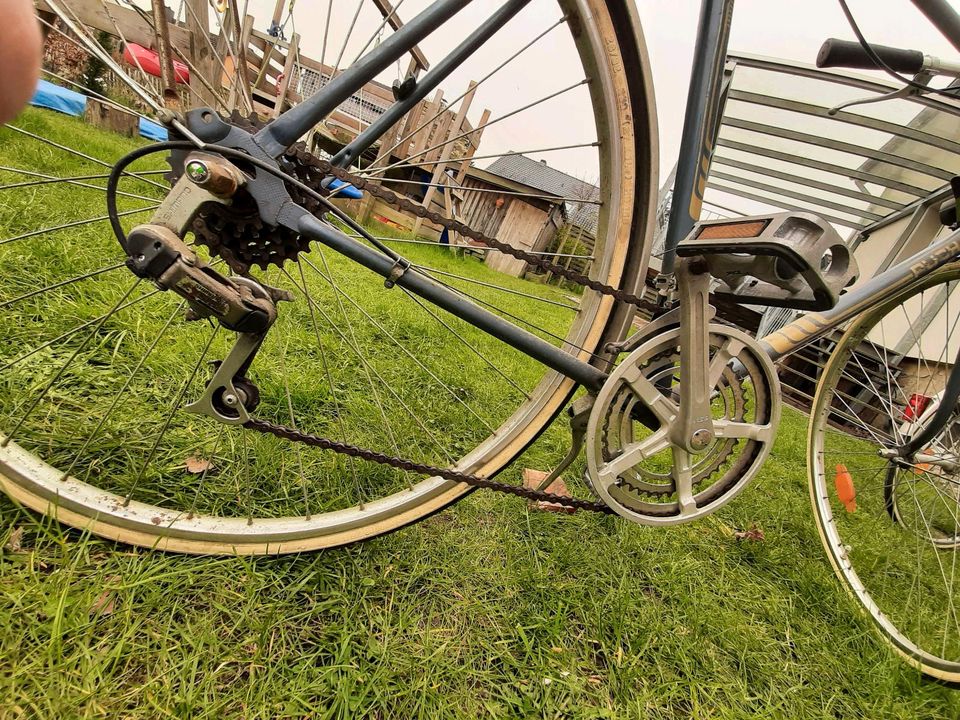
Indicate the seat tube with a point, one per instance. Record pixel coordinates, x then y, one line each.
700 125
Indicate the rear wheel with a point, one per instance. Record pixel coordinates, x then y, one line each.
98 367
890 525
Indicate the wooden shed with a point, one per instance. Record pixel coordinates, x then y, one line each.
490 204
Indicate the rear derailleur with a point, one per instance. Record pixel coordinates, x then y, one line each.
156 251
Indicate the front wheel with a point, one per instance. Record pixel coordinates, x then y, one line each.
890 524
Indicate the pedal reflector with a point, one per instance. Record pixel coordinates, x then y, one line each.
846 493
743 229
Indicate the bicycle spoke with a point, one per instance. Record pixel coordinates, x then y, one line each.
510 153
464 342
74 331
293 424
953 610
77 223
63 368
449 141
174 407
326 368
396 342
75 181
429 121
63 283
206 469
85 156
490 191
499 288
121 393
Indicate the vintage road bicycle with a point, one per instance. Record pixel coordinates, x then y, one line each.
175 390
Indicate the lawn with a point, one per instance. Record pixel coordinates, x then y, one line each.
488 609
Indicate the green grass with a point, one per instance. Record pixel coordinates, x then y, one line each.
485 610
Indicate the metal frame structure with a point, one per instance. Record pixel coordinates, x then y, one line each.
830 201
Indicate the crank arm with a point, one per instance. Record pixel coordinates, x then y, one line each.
692 429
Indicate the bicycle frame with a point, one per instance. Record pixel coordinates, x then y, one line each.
704 110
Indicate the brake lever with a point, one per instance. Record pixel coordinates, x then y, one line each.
907 91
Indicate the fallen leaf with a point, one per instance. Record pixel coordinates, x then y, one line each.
197 465
751 533
594 679
106 601
15 541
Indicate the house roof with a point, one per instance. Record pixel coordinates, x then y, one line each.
539 175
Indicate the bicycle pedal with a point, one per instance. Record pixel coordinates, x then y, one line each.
793 260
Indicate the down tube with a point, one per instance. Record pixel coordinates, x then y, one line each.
813 325
526 342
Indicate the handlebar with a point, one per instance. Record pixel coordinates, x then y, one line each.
843 53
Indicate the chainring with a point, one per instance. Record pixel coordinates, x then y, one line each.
662 370
646 491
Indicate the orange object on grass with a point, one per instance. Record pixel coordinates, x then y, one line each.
846 493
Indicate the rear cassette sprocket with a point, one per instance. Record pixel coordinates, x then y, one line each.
236 232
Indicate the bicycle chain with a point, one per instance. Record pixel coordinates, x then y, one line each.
407 205
324 167
294 435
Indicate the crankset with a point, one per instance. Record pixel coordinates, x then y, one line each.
687 418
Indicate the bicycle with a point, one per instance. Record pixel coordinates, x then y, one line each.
676 419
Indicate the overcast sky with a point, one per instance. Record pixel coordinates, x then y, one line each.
792 29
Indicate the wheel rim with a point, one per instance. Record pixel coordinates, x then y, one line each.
28 478
890 559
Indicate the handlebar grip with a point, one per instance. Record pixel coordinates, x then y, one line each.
843 53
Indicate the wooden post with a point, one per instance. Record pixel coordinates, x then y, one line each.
443 133
198 23
423 136
474 143
171 97
563 242
287 75
569 259
239 87
446 151
389 138
242 40
412 120
277 12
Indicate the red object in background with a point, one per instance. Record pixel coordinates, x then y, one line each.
915 406
846 492
149 61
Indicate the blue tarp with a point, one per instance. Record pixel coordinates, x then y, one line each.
71 102
349 191
153 131
57 98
